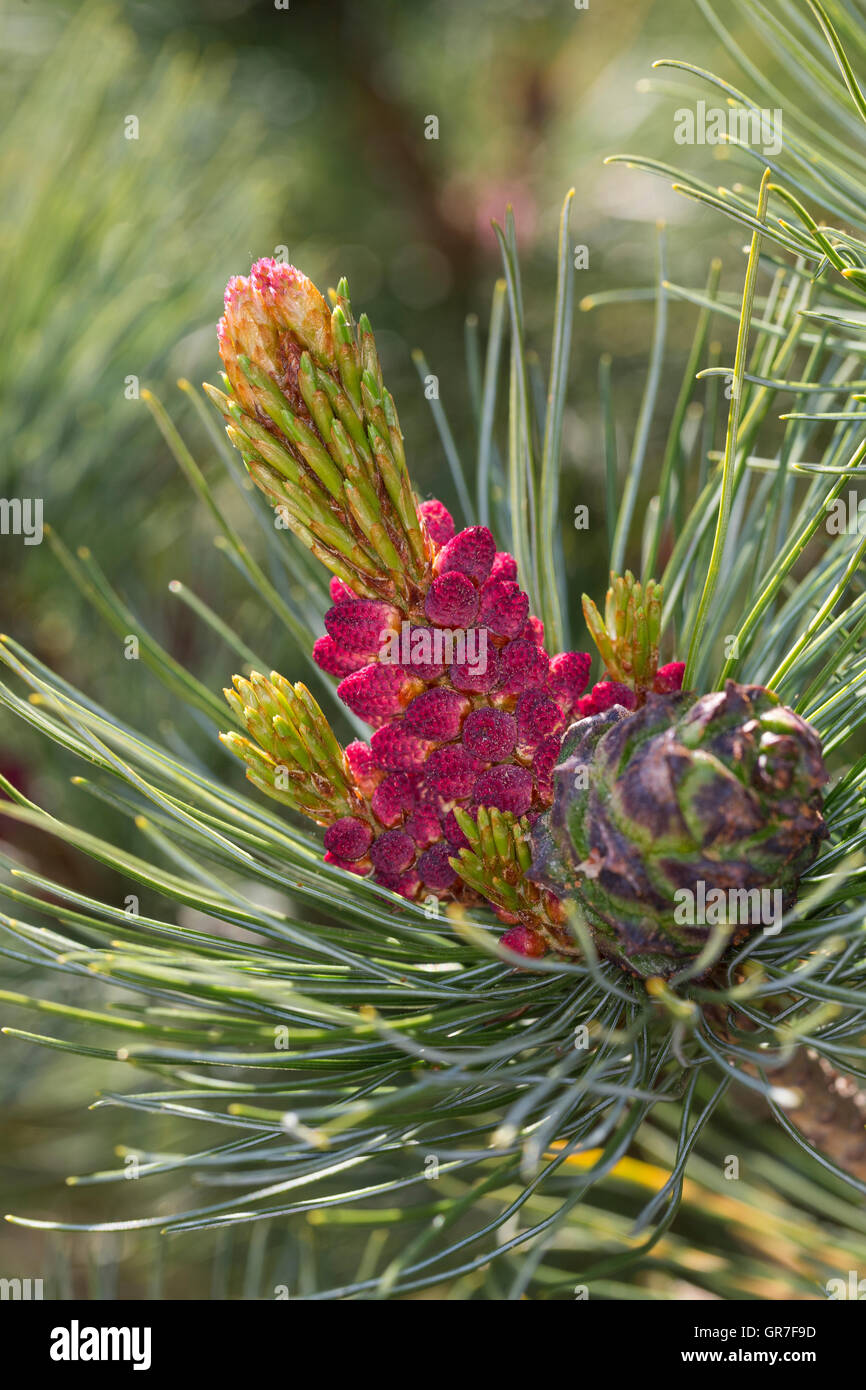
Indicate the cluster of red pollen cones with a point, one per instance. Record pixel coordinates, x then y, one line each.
468 711
430 636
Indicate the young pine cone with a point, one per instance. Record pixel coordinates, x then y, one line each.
689 813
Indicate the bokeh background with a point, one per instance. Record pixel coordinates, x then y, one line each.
261 131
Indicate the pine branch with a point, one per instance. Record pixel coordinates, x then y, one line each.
831 1109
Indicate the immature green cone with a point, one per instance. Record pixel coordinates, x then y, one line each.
683 818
